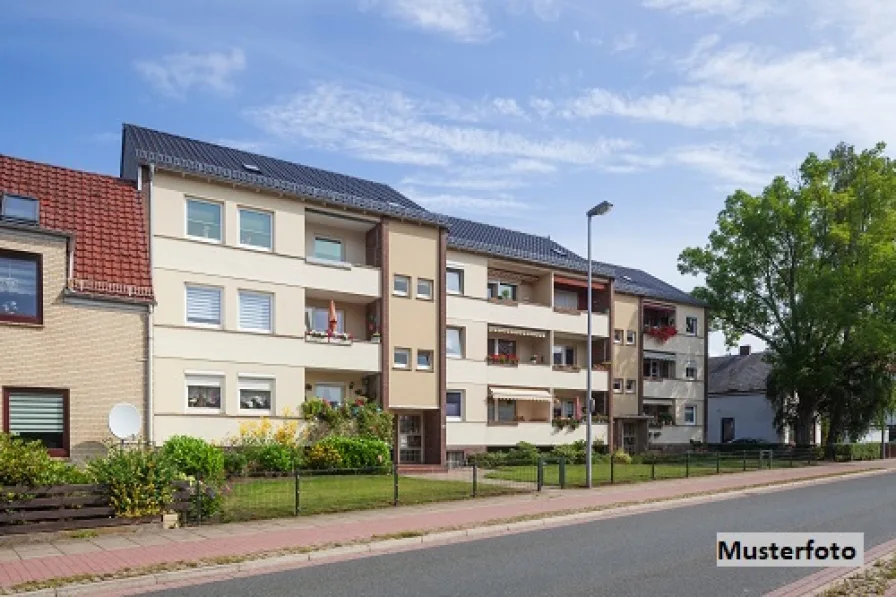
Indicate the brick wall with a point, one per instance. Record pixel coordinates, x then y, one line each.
96 352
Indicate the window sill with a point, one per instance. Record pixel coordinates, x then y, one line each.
328 263
245 412
203 411
22 324
251 331
256 248
400 368
424 369
203 239
205 326
454 419
424 298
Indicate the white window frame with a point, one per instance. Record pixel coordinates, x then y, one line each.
631 337
621 336
206 380
330 384
460 278
426 296
395 279
462 400
400 350
270 216
428 367
269 297
684 416
617 385
204 239
340 319
262 383
460 338
328 239
631 385
687 322
690 367
563 348
199 324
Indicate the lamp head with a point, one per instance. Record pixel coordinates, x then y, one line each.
600 209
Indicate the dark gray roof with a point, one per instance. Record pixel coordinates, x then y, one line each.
502 242
146 146
640 283
735 373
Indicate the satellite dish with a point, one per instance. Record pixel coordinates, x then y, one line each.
124 421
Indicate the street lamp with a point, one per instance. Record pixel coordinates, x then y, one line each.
598 210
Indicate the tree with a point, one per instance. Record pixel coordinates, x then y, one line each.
807 266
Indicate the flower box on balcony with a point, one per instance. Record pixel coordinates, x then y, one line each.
328 337
660 333
508 360
600 367
567 368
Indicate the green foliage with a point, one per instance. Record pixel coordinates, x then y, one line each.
194 457
866 451
523 452
323 457
354 453
236 462
349 419
620 456
139 480
490 460
27 463
274 458
571 453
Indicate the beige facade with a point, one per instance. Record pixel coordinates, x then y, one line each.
92 351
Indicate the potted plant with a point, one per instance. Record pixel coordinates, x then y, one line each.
559 422
375 337
533 360
505 294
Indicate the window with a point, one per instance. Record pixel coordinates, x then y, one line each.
690 326
318 319
690 415
501 346
204 219
38 415
22 209
690 372
566 299
333 393
401 358
256 394
659 369
631 337
454 401
454 343
454 281
617 385
401 285
203 305
500 290
329 249
424 360
255 311
617 336
256 229
424 289
21 287
630 385
204 392
727 429
506 411
564 355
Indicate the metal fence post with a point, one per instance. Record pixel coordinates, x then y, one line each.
612 468
539 473
745 461
561 473
653 468
687 465
718 462
475 474
295 471
198 500
791 459
771 455
394 483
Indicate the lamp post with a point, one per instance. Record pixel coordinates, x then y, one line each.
598 210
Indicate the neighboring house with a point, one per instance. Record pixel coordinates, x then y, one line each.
248 253
75 293
738 408
659 362
516 341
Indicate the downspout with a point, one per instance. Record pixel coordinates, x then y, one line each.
150 349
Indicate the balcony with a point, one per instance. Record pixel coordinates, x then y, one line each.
341 254
527 315
656 338
341 356
677 389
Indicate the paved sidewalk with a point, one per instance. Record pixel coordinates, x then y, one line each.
111 554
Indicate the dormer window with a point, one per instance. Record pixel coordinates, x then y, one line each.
20 209
252 168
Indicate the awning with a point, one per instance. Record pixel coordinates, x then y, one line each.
659 401
520 394
515 332
659 356
576 283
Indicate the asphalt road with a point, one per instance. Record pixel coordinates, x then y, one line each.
667 553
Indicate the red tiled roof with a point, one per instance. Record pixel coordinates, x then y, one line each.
105 215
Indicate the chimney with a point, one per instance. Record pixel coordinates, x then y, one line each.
745 350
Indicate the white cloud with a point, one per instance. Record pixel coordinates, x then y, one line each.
244 145
507 106
175 74
625 42
462 181
544 107
462 20
450 202
535 166
737 10
726 163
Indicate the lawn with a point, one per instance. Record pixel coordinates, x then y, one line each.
255 499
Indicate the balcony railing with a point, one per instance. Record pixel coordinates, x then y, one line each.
320 337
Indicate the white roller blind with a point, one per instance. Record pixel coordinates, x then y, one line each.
204 305
255 311
36 413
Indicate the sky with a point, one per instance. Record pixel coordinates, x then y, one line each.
519 113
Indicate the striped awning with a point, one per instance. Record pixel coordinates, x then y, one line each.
520 394
515 331
659 356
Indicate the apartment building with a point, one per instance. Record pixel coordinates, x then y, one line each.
75 293
660 352
277 282
516 341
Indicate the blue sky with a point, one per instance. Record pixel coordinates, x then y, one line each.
522 113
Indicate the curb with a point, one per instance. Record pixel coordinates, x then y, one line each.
266 565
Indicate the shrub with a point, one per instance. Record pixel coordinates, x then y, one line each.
374 423
323 457
867 451
489 460
273 458
620 456
357 452
25 462
236 462
572 453
195 457
523 453
139 480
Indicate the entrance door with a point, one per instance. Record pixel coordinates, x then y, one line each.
629 437
410 439
727 429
